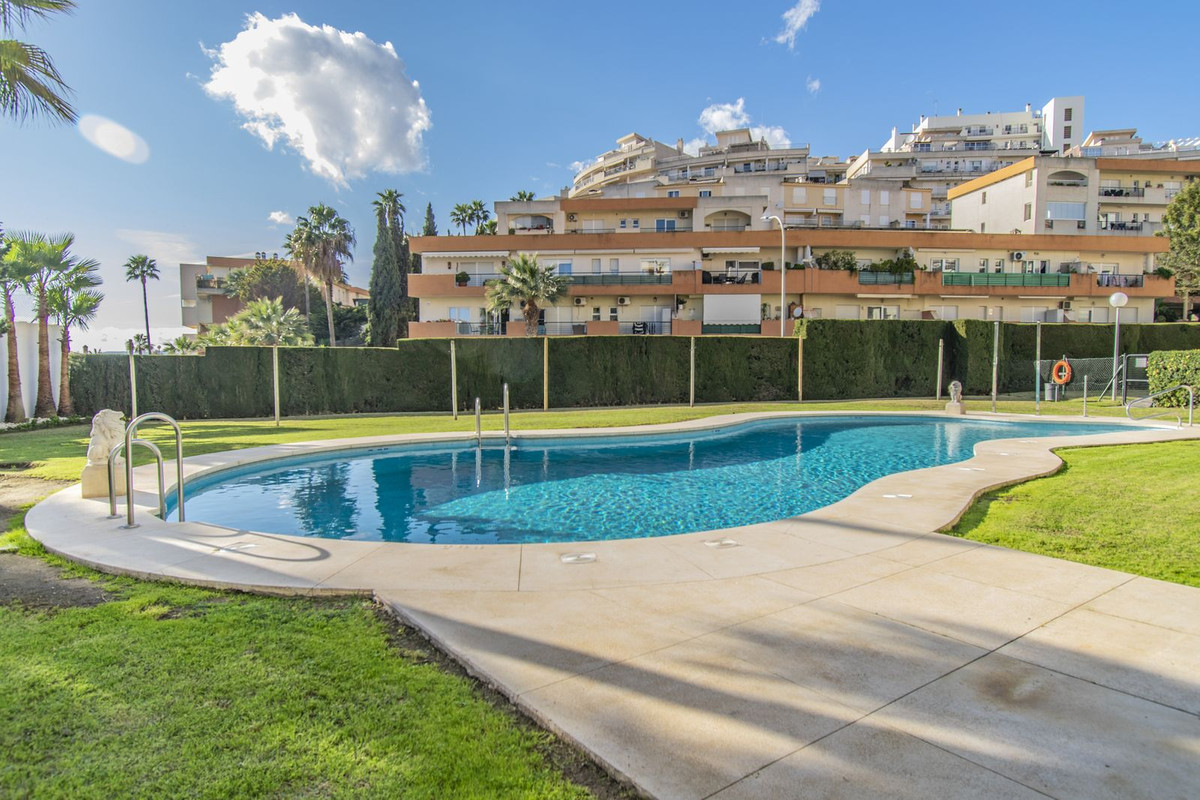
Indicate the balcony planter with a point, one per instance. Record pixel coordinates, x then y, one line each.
768 265
462 279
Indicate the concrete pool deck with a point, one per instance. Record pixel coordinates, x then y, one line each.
849 652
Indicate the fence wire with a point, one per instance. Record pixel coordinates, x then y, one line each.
1095 377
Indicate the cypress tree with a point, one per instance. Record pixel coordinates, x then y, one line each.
430 228
385 304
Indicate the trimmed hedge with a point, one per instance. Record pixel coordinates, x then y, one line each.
846 359
618 370
733 369
1167 368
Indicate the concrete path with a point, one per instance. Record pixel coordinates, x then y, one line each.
850 652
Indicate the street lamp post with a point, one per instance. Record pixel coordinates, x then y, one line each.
1117 300
783 315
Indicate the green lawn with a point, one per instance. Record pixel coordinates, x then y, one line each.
59 453
1133 508
177 692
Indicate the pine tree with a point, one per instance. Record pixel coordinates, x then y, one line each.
430 228
385 304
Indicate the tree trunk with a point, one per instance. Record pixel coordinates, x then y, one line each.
44 408
146 306
1186 301
16 405
531 319
329 312
65 408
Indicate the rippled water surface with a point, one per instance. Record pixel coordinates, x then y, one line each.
587 489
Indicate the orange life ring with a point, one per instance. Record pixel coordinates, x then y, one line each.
1061 372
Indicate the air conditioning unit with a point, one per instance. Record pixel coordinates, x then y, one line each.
1018 255
684 214
1065 305
579 301
571 217
622 301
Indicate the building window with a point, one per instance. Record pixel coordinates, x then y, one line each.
673 193
705 193
612 314
798 195
1028 179
983 227
883 312
1067 113
983 264
460 314
983 202
885 197
1028 211
659 266
883 220
914 200
595 266
661 225
564 267
865 219
637 223
621 224
1066 131
865 197
830 197
596 314
1060 210
614 265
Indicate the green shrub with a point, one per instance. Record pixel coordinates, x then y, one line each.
618 370
1168 368
734 369
846 359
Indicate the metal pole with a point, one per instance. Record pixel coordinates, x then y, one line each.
478 423
783 313
995 365
453 380
275 376
1037 369
1124 378
546 374
692 375
507 433
132 385
1085 383
1116 352
799 369
941 356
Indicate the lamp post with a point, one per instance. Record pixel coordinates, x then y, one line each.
783 315
1117 300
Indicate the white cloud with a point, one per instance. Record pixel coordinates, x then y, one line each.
280 218
794 20
114 138
812 84
164 247
728 116
341 100
577 166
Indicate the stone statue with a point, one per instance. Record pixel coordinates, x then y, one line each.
955 406
108 429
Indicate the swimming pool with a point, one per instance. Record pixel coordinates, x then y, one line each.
589 488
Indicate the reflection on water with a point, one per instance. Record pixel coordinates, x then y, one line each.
579 490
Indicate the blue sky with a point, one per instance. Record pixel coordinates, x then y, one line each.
511 99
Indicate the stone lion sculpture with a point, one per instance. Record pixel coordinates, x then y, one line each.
108 429
955 392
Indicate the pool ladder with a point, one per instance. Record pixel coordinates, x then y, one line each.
479 421
1191 390
127 447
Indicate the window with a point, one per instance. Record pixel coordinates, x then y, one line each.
883 312
612 314
460 314
673 193
622 223
826 220
636 223
1061 210
999 265
1066 131
1028 179
883 220
705 193
830 197
661 225
914 200
885 197
1067 113
656 265
865 219
983 227
614 265
983 264
595 266
865 197
1045 266
1028 211
564 267
983 202
596 314
798 195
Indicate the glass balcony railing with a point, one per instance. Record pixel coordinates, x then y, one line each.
720 328
1004 279
868 278
620 279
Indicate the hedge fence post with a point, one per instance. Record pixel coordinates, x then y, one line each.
132 383
275 379
995 364
941 361
692 374
546 373
1037 370
453 381
799 368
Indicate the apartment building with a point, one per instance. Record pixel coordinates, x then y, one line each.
940 152
1068 195
203 297
1125 143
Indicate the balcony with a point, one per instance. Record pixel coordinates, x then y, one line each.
639 229
1122 191
649 328
1004 279
1121 281
730 328
1140 228
620 279
868 278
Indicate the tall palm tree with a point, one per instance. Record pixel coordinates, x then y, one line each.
142 268
181 346
479 215
391 208
523 196
266 323
296 246
38 259
30 86
12 278
326 239
74 301
460 215
525 283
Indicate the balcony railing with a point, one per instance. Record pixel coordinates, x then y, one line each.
1122 191
1140 228
729 277
480 328
645 328
727 328
640 229
1121 281
1004 279
620 279
868 278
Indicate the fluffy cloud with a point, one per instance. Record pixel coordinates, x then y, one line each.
727 116
280 218
794 20
114 138
812 84
163 246
341 100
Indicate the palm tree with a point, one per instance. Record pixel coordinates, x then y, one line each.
296 246
38 259
523 196
325 239
12 277
181 346
262 323
460 215
30 86
391 208
73 300
479 215
487 229
142 268
527 284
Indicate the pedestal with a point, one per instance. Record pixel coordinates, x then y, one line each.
94 480
956 408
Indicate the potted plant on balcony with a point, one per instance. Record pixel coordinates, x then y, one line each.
768 265
462 278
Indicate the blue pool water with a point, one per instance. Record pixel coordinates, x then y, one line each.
574 489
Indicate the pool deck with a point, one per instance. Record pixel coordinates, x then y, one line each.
849 652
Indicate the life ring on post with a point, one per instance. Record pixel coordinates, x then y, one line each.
1060 373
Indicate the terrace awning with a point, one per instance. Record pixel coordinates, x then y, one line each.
467 254
743 249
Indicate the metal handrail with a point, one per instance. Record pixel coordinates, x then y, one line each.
118 448
130 430
1191 390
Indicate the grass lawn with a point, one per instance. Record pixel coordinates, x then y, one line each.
1133 508
60 453
168 691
